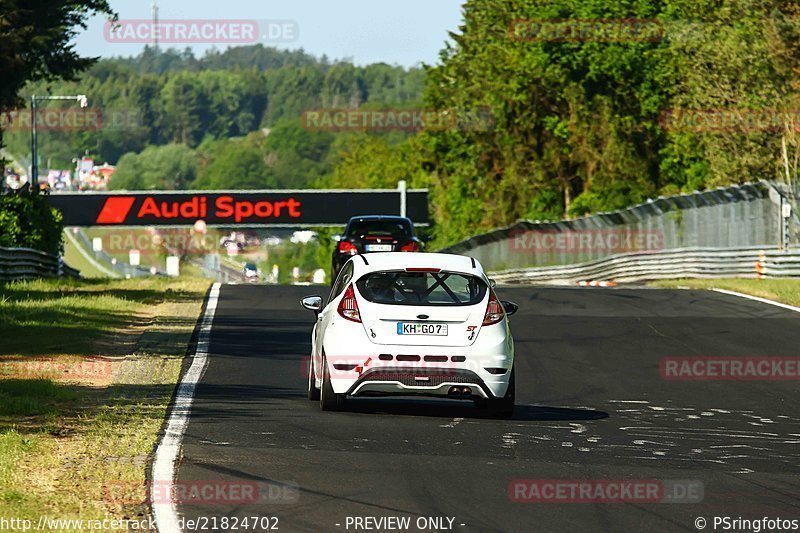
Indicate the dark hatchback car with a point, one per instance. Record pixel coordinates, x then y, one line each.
365 234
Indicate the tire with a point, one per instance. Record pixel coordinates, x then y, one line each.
502 407
313 391
329 400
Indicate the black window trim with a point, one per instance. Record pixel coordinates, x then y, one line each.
439 282
341 275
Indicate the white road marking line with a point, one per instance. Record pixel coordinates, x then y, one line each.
758 299
643 442
509 441
452 424
166 514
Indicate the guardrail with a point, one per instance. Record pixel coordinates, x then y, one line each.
104 261
26 263
749 215
749 262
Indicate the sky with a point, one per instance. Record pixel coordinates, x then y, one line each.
403 32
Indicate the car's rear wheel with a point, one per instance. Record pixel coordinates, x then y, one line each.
313 391
329 400
501 407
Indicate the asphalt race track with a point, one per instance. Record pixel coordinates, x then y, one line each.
591 405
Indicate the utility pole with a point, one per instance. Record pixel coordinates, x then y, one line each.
155 25
34 178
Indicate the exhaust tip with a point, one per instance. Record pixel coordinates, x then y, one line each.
460 392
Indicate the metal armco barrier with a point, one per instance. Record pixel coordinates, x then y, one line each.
735 217
107 263
749 262
26 263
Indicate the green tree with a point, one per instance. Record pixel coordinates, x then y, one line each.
367 161
168 167
737 56
30 222
235 164
37 43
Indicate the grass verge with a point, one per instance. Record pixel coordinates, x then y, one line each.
781 290
74 258
87 370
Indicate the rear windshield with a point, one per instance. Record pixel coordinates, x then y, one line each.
379 228
421 288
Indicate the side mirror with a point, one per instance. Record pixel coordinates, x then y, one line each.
425 238
312 303
510 307
336 238
492 283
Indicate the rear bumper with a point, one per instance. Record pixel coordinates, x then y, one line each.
371 376
415 381
352 358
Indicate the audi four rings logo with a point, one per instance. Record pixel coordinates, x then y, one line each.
117 209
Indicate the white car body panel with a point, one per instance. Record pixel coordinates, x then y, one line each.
352 349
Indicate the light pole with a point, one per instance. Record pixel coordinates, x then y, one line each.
81 98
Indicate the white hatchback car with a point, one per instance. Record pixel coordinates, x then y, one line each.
412 324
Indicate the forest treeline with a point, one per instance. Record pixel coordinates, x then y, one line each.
565 118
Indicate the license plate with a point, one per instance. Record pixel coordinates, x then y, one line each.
378 247
417 328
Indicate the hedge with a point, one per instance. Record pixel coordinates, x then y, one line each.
28 221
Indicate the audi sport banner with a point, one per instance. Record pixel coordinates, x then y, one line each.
235 208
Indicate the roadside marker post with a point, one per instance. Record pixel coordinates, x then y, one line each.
401 186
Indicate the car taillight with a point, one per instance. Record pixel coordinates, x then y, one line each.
347 248
494 311
348 307
410 247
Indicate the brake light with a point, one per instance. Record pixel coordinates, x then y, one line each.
348 307
413 246
494 311
422 269
347 248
